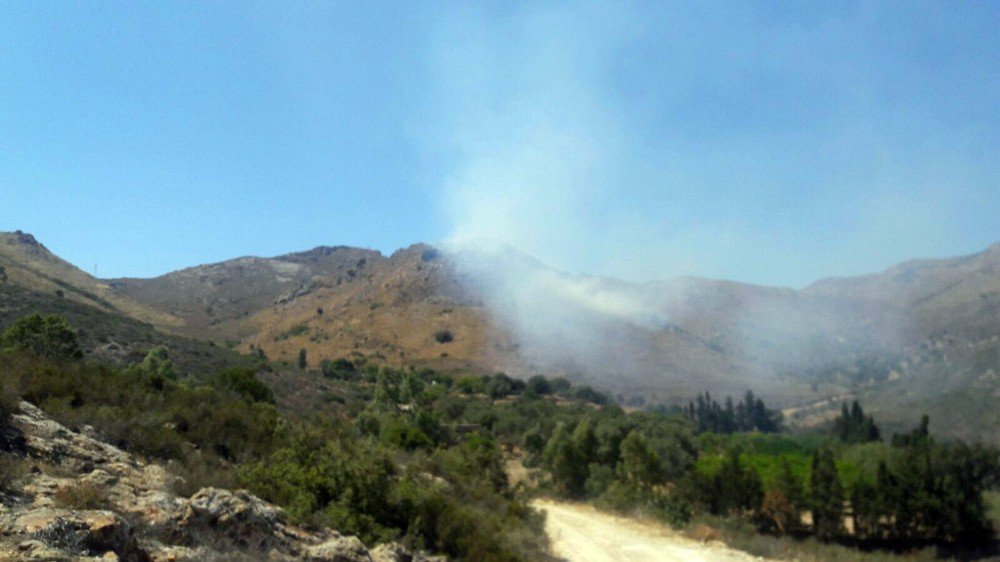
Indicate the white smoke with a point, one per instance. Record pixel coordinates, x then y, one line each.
538 158
543 160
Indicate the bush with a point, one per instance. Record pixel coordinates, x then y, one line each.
82 495
539 385
444 336
8 405
44 336
470 385
338 369
12 469
244 382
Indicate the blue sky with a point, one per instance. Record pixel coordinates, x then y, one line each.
773 143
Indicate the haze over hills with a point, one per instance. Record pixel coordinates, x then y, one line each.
923 333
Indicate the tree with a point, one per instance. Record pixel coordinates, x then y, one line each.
340 368
919 437
469 384
867 510
244 381
609 435
44 336
158 363
411 387
303 361
500 386
568 469
854 427
791 487
639 465
826 495
750 414
539 385
781 508
156 368
585 440
739 487
776 515
386 395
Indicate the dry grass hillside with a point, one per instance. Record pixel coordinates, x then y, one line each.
333 302
923 335
26 262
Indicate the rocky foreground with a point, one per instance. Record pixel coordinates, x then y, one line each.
47 514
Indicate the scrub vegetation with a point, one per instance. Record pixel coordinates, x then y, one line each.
419 456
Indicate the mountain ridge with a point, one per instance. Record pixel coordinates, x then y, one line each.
931 324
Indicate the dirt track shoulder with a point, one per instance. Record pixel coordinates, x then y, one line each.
580 533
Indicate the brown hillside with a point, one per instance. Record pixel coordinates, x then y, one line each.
923 335
28 263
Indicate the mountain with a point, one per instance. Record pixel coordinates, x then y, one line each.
110 327
26 262
331 301
949 365
921 335
959 296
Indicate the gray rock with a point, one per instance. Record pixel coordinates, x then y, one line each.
212 525
340 549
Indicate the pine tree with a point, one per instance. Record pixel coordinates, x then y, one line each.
739 488
853 426
867 510
826 495
791 487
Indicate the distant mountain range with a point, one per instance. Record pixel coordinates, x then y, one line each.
921 336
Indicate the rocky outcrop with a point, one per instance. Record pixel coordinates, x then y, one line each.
82 499
54 531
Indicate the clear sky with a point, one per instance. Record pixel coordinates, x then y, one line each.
765 142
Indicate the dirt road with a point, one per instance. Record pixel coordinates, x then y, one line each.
580 533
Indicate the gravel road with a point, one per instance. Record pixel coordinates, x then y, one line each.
580 533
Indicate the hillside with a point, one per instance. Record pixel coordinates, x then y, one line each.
333 302
949 366
918 335
26 262
959 296
134 514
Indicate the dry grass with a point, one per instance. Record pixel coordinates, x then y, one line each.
12 470
739 534
82 495
704 533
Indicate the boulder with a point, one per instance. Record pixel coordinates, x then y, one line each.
244 519
77 533
339 549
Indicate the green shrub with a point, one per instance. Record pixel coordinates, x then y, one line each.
44 336
244 382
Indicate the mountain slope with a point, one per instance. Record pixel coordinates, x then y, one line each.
902 339
957 296
139 515
27 263
950 366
